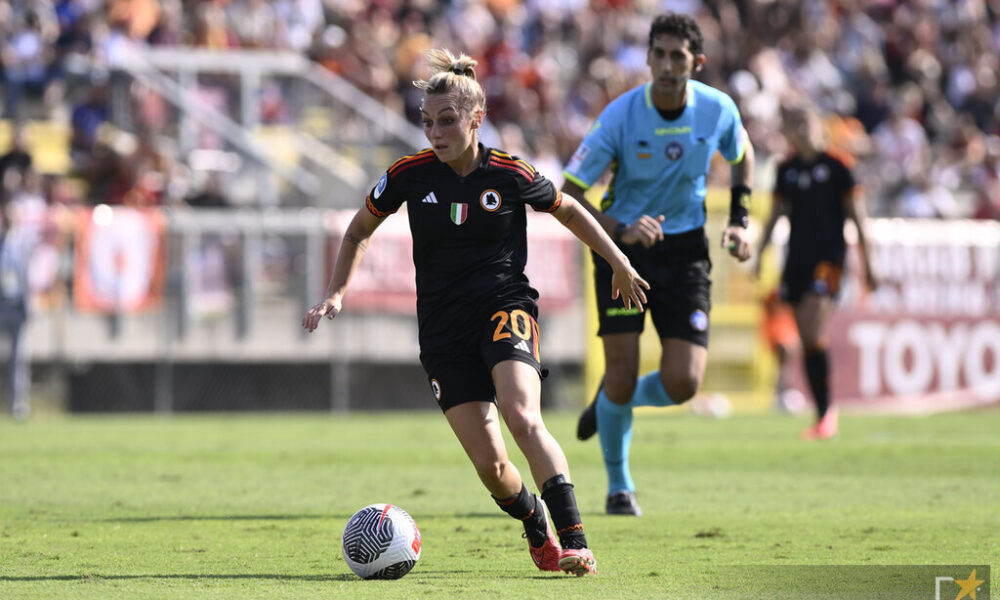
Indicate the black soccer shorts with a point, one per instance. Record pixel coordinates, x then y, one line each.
463 372
822 279
678 271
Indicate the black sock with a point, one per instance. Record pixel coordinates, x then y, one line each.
559 497
817 372
524 507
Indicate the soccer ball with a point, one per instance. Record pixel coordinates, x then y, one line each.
381 541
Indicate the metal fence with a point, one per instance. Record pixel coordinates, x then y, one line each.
183 309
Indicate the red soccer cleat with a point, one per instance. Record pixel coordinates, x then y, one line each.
546 557
578 561
824 429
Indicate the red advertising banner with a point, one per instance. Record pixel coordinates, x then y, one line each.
385 279
119 259
928 339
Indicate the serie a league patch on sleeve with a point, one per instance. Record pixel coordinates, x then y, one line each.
380 186
578 157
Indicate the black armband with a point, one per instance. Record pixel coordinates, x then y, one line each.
739 205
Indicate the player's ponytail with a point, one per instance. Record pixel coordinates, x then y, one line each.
453 74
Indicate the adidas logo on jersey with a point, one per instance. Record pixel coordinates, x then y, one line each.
430 199
523 345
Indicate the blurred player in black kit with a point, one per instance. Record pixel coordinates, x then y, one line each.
476 311
816 190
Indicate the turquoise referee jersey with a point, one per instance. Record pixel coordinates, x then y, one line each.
659 166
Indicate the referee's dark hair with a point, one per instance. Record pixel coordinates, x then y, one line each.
682 26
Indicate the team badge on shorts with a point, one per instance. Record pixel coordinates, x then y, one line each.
436 389
490 200
674 151
698 320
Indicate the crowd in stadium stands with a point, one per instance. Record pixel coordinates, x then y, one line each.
910 88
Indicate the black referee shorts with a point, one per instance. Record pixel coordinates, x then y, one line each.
678 270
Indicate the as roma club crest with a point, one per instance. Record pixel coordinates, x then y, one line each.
490 200
459 212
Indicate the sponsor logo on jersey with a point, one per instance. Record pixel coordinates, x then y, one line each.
380 186
436 388
490 200
459 212
699 320
430 199
674 151
673 130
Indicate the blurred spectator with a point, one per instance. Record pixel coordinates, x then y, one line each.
15 163
85 119
211 194
27 55
18 236
986 181
255 23
901 143
925 198
909 73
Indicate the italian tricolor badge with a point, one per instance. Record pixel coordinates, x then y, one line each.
459 211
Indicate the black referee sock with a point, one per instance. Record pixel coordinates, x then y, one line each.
559 497
817 372
524 507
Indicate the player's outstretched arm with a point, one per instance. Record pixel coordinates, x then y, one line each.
625 282
352 249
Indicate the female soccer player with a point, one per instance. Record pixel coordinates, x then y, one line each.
476 311
817 192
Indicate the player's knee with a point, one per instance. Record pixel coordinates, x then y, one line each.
682 389
619 388
523 427
491 472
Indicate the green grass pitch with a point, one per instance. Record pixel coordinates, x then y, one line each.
252 506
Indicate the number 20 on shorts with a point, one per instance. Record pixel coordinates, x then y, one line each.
522 325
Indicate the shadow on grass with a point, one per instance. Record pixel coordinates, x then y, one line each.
219 576
335 516
150 519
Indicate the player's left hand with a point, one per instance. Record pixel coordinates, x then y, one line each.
737 241
627 284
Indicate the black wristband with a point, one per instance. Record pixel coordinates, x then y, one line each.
619 231
739 205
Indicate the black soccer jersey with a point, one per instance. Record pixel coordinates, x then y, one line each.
469 234
815 193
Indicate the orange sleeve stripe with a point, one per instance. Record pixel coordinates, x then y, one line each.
555 205
373 210
424 156
517 167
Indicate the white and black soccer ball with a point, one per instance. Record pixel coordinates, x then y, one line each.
381 541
